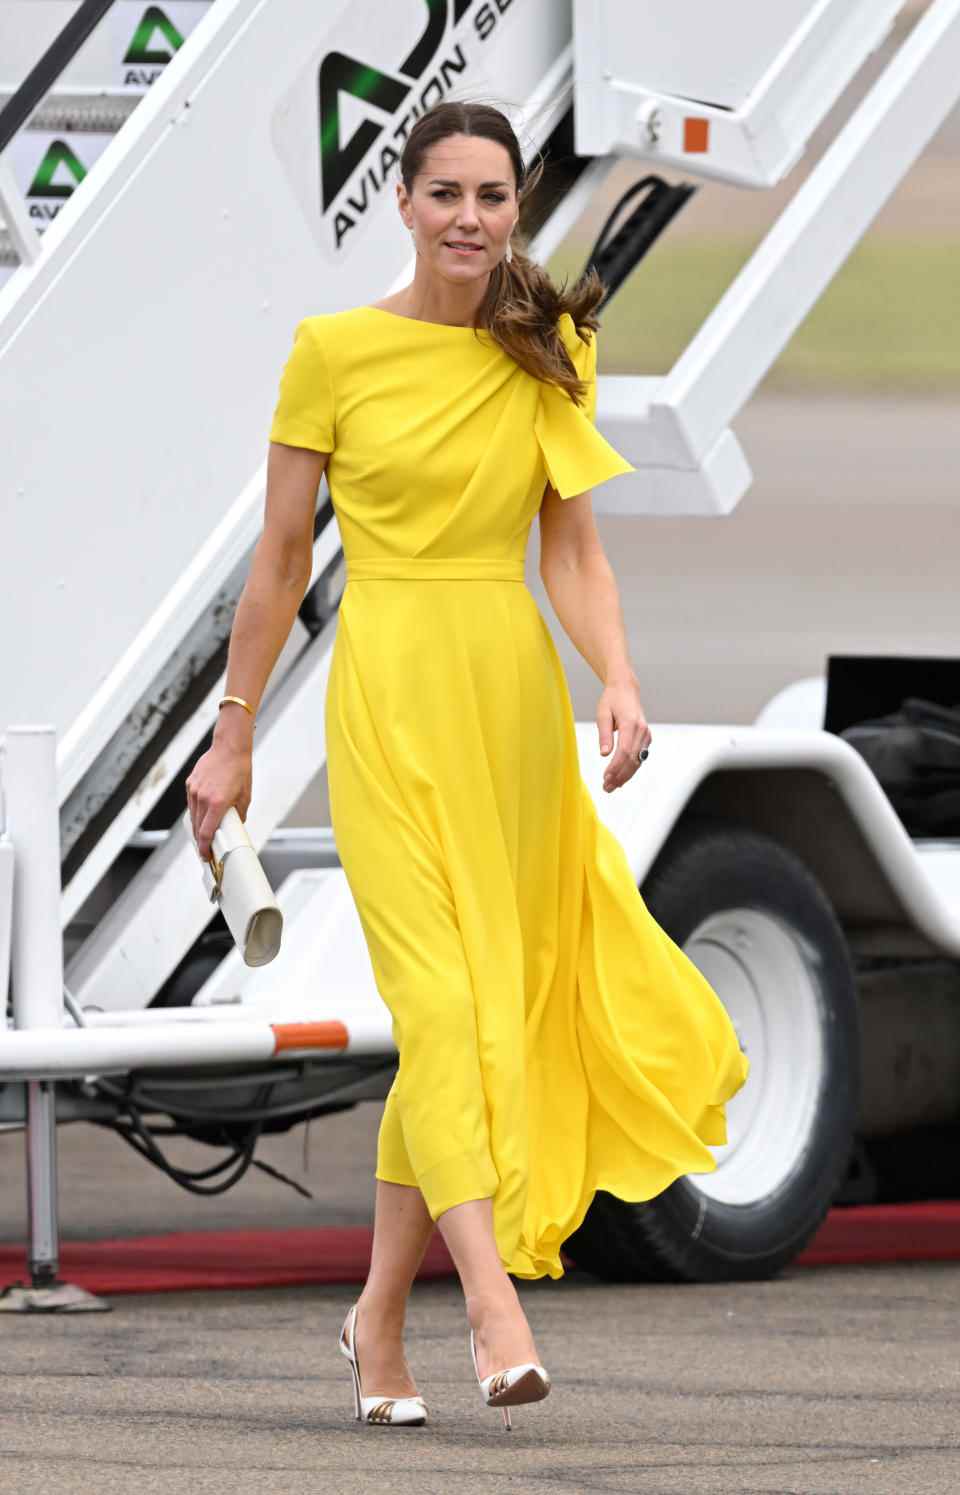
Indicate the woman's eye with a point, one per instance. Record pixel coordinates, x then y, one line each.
491 196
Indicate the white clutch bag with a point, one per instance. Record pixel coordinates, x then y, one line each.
235 879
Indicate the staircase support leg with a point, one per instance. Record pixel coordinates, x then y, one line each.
33 823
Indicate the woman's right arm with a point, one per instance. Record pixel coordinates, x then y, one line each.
275 586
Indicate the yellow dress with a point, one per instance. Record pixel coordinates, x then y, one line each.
553 1040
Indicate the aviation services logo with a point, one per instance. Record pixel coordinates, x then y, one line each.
356 164
154 24
48 166
60 170
146 37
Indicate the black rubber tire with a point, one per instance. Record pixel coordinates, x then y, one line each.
683 1235
199 963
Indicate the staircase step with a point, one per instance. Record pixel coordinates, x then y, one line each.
102 112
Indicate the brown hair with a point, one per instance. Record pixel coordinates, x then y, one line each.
522 303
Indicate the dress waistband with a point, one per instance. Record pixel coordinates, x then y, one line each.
430 568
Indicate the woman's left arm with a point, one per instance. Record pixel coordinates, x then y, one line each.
583 593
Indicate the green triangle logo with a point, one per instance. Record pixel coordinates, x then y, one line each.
141 51
58 155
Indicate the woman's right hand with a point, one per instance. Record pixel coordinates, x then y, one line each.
222 777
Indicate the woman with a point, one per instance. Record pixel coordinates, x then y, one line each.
552 1038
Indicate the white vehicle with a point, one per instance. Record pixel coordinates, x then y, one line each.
230 180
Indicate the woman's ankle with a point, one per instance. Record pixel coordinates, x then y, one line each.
502 1332
483 1307
387 1312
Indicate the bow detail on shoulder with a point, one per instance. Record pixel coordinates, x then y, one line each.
576 457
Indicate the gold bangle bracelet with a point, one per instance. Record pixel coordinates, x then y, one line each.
240 702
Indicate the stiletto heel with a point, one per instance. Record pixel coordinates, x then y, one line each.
512 1387
396 1411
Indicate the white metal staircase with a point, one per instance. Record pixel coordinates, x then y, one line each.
200 178
94 96
250 185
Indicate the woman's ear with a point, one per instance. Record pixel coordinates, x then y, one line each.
403 205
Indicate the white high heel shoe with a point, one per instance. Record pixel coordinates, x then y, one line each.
512 1387
397 1411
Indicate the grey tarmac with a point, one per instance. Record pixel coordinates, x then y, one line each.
827 1381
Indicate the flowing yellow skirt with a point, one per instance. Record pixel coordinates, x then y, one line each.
553 1039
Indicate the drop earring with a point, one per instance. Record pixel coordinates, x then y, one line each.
509 253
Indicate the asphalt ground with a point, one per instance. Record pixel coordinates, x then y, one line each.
827 1381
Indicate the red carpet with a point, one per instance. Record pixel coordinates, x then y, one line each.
212 1259
887 1232
282 1258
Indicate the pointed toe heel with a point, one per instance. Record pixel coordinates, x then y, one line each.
387 1411
512 1387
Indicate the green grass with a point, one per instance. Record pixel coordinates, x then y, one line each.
888 322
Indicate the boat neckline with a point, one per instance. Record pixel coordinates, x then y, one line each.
398 316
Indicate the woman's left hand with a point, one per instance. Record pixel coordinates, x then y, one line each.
620 708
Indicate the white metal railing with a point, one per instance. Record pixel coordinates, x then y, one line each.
44 1045
13 210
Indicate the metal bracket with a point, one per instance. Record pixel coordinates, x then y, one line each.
54 1297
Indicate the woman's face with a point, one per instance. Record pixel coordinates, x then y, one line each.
464 194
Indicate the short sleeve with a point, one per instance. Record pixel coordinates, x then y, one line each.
304 415
576 457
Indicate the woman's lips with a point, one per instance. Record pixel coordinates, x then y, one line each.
462 248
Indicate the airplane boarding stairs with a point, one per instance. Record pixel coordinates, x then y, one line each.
141 341
142 338
139 359
141 344
89 100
